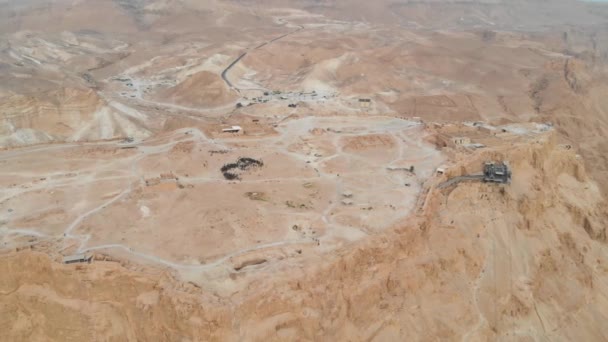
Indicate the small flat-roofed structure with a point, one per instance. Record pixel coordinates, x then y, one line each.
461 140
232 129
347 194
347 202
365 103
77 258
168 176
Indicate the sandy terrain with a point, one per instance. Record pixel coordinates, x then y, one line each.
341 209
314 188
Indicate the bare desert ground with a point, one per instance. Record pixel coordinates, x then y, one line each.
303 170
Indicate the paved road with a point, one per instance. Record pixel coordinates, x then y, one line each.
239 58
225 72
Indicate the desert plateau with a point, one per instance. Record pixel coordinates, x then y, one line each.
301 170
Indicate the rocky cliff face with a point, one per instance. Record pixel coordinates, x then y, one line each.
480 262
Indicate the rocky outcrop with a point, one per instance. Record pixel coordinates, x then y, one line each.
575 75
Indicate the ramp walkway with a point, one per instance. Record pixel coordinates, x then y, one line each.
460 179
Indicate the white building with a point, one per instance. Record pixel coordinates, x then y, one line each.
233 129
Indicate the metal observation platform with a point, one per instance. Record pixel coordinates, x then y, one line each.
499 173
